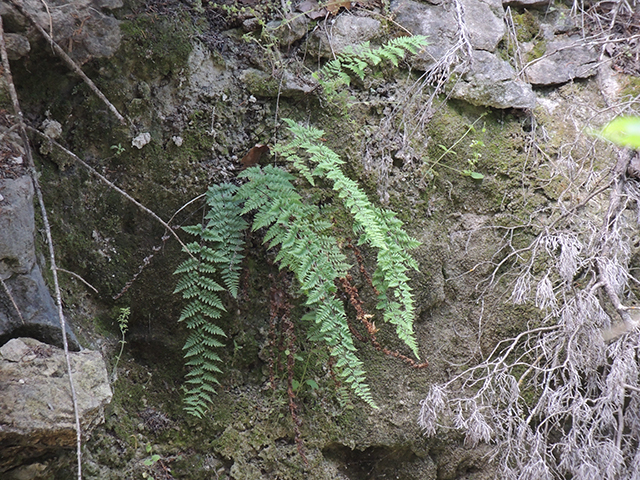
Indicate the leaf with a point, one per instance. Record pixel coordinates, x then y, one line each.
333 6
474 175
253 156
623 131
312 384
151 460
312 10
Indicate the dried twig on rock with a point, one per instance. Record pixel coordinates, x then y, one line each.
45 221
112 185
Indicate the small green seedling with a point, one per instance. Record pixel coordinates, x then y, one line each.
123 323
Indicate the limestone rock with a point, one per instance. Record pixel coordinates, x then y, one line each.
141 140
486 28
345 31
491 82
262 84
17 45
564 60
78 26
435 22
483 20
288 31
206 78
526 3
36 412
20 272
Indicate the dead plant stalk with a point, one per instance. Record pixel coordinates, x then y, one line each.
45 220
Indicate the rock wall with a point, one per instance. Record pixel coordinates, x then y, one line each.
201 85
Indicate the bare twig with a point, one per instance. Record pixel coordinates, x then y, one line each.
68 60
52 258
13 301
78 277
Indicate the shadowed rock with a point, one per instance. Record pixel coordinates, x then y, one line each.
26 306
36 411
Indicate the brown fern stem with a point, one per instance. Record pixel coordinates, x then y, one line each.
354 298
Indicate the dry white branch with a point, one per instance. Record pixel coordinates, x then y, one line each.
52 258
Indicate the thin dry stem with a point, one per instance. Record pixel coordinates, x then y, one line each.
75 275
13 301
45 220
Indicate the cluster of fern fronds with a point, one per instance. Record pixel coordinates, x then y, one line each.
306 244
355 60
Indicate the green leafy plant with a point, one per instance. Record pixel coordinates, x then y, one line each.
150 461
219 251
118 149
123 323
623 131
356 61
307 245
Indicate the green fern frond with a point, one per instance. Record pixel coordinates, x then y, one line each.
218 253
356 59
374 226
313 257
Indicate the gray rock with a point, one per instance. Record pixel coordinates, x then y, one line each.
12 19
288 31
346 30
17 227
262 84
564 60
97 35
27 309
206 78
36 412
17 45
438 23
491 82
486 28
526 3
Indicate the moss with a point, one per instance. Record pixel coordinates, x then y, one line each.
539 49
630 86
158 45
527 26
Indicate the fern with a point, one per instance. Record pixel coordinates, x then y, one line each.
305 242
218 253
355 60
312 255
377 227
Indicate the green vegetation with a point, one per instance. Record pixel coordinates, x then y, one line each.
623 131
123 324
357 61
308 246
